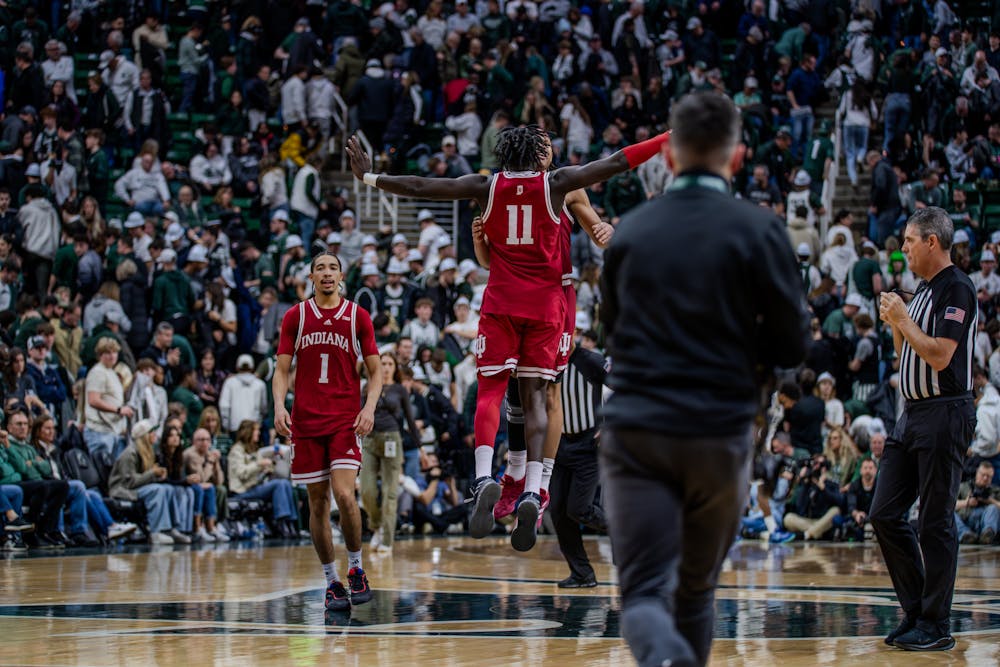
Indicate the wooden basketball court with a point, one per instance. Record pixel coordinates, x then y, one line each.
455 601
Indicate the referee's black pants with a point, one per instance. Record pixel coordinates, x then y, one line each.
923 457
673 507
573 488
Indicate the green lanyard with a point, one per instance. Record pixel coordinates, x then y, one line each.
703 181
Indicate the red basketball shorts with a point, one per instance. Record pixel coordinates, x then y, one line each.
569 328
512 343
314 458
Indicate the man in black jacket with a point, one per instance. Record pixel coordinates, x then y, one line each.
885 206
687 333
817 502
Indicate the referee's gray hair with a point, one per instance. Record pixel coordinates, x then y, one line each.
934 220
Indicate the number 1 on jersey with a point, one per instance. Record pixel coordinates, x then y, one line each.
324 369
512 225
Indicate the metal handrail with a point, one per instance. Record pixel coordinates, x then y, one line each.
830 184
342 117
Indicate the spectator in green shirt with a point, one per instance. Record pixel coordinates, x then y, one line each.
186 395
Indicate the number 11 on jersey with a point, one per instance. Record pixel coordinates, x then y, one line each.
512 225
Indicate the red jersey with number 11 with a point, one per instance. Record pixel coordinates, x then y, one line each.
327 343
526 258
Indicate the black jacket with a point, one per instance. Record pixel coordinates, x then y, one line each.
699 290
813 502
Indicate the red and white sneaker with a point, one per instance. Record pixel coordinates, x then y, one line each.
541 512
511 490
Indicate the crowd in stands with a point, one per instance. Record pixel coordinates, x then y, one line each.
164 181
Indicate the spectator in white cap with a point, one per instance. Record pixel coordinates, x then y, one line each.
986 280
464 329
799 196
749 96
466 268
442 249
367 295
826 389
396 297
350 238
174 234
291 280
243 396
838 324
457 164
135 226
429 231
417 277
811 277
400 246
278 226
368 244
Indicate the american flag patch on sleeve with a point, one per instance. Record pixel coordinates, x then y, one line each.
954 314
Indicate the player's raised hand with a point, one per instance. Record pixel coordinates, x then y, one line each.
282 421
360 162
364 422
603 233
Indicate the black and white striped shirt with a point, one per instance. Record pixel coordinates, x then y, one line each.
581 389
945 307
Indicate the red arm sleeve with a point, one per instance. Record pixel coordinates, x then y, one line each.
289 331
644 150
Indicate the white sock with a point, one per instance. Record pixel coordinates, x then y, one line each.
330 572
516 464
533 477
547 473
772 525
354 559
484 461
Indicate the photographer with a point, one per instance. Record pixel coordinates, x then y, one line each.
432 500
817 503
859 500
977 511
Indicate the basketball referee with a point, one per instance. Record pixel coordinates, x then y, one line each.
700 288
933 339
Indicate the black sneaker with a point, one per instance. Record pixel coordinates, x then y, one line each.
529 506
14 543
904 626
574 582
921 640
18 525
83 540
49 542
361 592
486 493
336 597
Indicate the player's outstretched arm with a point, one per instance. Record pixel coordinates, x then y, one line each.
567 179
472 186
598 230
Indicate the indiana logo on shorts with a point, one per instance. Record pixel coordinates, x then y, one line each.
479 346
564 343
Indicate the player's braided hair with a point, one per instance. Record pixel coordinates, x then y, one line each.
521 148
324 253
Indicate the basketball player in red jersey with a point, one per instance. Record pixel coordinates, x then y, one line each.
523 306
577 208
327 335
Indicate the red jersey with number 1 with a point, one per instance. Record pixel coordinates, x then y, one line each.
525 246
327 343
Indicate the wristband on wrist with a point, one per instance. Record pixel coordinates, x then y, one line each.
370 179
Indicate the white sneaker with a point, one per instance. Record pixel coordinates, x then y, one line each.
117 530
376 539
160 538
179 537
384 549
204 535
220 535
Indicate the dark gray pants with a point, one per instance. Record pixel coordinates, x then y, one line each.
923 458
573 487
673 507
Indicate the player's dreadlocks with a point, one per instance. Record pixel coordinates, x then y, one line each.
521 148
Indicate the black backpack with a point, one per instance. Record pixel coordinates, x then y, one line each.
77 464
